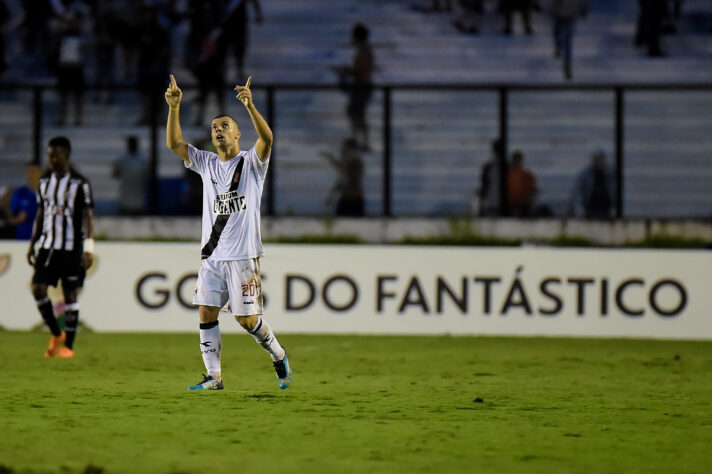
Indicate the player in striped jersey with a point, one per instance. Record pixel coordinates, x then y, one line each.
63 237
231 240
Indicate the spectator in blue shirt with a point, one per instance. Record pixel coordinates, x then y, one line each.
23 204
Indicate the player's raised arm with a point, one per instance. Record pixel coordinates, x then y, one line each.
174 135
264 133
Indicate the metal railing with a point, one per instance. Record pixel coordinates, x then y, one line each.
502 90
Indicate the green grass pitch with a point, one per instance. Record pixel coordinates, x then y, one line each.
357 404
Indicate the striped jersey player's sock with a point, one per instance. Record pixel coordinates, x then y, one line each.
71 322
47 313
210 347
265 337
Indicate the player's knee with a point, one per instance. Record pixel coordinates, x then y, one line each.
39 291
208 314
71 296
247 322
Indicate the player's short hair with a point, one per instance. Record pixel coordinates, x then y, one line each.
228 116
61 142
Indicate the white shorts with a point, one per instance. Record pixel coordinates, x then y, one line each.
237 282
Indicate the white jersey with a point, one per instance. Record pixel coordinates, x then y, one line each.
231 217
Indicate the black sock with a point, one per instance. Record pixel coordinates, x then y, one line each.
71 321
47 313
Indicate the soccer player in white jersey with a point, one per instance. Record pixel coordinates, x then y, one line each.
231 240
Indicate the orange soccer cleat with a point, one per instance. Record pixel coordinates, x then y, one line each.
55 342
65 353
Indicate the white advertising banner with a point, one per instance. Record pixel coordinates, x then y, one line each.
397 290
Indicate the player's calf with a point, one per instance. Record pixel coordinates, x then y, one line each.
264 336
44 306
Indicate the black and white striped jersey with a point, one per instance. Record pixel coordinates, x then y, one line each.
63 200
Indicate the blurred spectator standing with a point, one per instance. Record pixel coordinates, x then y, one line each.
650 25
524 7
104 49
467 21
4 20
23 204
205 55
489 192
357 81
124 28
131 169
70 62
594 193
35 26
349 186
434 6
234 30
154 57
521 187
564 14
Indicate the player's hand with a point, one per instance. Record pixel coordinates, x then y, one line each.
173 93
244 93
31 255
87 260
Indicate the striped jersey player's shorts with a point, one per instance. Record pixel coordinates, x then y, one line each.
238 282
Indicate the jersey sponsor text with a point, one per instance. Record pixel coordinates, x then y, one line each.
229 203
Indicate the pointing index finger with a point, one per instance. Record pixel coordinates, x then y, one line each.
173 81
249 81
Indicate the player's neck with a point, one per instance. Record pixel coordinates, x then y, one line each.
61 173
229 152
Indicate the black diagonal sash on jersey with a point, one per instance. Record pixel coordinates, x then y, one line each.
221 220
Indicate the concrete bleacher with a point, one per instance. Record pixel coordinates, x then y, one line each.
440 139
306 37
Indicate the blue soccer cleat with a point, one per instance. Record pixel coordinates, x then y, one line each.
208 383
284 371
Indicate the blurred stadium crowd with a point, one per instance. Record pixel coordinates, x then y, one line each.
101 66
